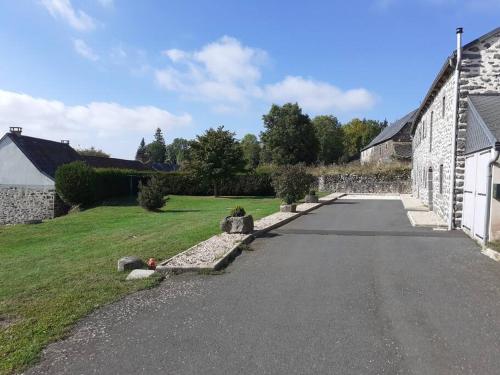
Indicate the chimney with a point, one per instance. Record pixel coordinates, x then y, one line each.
16 130
459 47
65 141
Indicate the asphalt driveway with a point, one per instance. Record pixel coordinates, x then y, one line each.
350 288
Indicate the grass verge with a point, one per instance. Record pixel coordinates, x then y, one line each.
57 272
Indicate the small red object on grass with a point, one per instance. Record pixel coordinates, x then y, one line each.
151 263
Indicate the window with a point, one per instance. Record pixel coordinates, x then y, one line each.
430 131
423 130
444 107
441 179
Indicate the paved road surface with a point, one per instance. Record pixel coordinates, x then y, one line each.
351 288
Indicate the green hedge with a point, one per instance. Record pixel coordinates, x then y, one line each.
179 183
103 184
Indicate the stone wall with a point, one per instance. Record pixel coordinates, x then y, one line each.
432 142
364 184
480 74
21 204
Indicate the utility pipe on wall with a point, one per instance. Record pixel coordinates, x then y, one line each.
455 127
489 179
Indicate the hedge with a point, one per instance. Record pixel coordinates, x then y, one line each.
179 183
113 183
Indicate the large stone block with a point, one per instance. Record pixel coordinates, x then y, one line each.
129 263
242 224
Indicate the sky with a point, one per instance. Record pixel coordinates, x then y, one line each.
106 73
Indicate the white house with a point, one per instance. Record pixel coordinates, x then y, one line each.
441 124
27 175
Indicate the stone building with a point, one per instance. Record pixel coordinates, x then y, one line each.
27 172
440 124
392 144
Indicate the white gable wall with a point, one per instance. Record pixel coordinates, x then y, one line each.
17 169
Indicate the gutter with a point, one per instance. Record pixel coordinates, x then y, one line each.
458 64
494 158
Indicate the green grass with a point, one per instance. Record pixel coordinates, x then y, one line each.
56 272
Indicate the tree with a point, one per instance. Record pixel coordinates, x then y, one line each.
178 151
358 134
156 149
250 147
93 152
215 156
142 153
150 195
289 135
330 137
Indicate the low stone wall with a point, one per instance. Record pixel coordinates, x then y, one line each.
21 204
364 184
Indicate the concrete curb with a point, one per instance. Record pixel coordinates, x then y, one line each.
231 254
490 253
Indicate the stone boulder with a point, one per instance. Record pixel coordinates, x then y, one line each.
310 198
288 207
140 274
241 224
129 263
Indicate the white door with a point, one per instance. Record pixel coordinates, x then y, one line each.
475 190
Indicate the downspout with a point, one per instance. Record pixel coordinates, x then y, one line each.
455 127
493 159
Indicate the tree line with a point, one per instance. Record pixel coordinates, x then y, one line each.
289 137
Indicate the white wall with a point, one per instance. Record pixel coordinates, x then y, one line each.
495 207
16 169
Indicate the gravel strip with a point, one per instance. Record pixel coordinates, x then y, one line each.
206 252
272 219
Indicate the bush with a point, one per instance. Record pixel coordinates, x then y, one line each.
292 182
75 183
151 195
113 183
237 211
182 183
312 192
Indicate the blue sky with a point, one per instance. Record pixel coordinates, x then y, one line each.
108 72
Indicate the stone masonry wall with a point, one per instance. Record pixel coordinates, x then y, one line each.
364 184
480 74
432 148
21 204
432 143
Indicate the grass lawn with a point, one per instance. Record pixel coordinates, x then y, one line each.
56 272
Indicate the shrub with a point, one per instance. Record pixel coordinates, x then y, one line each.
151 195
113 183
183 183
237 211
312 192
292 182
75 183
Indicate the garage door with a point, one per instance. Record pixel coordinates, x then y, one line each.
475 190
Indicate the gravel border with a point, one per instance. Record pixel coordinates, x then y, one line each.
216 252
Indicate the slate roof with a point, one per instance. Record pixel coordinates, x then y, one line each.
45 155
483 123
103 162
447 69
164 167
403 150
391 130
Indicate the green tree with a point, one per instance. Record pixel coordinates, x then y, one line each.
289 135
358 134
216 156
250 147
92 151
156 149
330 137
142 152
177 152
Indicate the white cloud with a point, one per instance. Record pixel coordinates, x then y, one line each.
319 96
106 3
84 50
222 71
63 9
228 75
85 125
